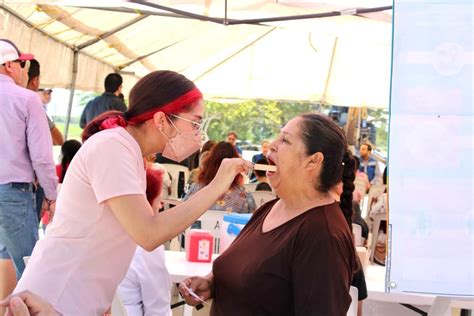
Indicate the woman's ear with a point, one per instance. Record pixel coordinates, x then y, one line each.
315 161
159 119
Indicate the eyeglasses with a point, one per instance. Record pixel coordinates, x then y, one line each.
196 125
22 63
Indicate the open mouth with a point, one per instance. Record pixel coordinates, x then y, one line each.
271 163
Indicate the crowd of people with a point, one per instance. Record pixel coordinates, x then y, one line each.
298 247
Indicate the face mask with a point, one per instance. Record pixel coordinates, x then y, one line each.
182 145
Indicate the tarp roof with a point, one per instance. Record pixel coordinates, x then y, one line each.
343 60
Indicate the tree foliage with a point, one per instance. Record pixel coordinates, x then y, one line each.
254 120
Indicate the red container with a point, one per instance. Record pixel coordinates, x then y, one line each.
199 245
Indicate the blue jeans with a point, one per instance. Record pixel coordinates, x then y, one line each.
18 222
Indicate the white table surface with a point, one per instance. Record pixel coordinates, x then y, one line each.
180 269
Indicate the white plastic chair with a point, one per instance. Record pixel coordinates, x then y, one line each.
118 309
250 187
354 293
174 171
374 192
212 221
378 218
357 232
262 197
26 259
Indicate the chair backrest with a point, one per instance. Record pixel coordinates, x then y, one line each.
364 255
250 187
262 197
378 218
212 221
354 293
374 192
357 232
118 309
175 171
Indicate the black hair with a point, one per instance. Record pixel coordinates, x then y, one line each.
33 70
369 147
357 162
384 177
68 151
321 134
112 82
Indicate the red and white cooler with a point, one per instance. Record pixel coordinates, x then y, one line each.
199 245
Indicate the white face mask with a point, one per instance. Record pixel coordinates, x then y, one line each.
182 145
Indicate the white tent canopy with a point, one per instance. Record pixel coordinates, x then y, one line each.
342 60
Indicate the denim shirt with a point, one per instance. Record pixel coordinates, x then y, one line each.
106 102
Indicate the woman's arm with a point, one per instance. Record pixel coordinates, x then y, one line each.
149 231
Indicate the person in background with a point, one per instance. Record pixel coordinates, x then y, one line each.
264 148
361 182
102 211
368 164
263 155
236 199
202 155
380 207
166 177
146 288
296 255
45 96
108 101
68 151
25 154
261 176
232 138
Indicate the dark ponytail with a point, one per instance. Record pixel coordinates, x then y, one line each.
96 125
348 177
321 134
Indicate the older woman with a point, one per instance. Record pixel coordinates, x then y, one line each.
296 255
235 199
102 213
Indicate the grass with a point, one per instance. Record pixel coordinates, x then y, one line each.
74 130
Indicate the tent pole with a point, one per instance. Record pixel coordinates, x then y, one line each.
72 89
328 78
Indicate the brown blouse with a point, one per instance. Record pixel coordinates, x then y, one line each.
303 267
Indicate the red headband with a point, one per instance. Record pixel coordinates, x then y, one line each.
174 106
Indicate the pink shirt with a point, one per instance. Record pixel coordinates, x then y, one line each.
86 252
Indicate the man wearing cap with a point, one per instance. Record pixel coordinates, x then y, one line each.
25 154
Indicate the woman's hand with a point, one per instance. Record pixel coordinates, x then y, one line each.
228 170
26 303
202 286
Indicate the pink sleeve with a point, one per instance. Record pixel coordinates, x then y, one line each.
113 169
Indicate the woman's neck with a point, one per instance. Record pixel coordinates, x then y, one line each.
141 139
305 199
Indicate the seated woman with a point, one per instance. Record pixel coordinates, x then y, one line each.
68 151
145 290
236 199
296 255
